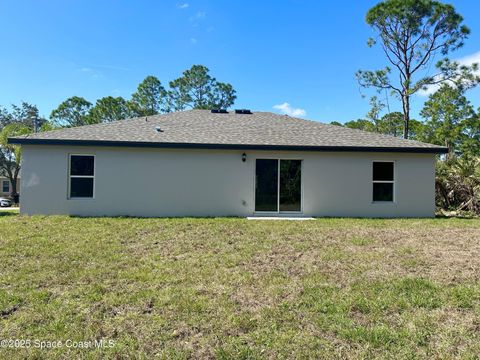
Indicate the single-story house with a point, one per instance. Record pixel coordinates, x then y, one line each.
217 163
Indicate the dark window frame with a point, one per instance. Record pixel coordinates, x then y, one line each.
393 181
3 186
70 177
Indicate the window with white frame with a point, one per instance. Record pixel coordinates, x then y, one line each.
5 186
383 177
81 176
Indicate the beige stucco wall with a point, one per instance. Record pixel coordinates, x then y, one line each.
161 182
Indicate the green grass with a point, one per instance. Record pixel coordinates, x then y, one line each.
231 288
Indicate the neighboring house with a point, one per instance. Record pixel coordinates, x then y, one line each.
6 186
200 163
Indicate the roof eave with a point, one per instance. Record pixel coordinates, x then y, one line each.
27 141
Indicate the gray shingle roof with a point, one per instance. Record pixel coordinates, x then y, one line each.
203 129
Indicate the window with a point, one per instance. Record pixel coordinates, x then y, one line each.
5 186
383 180
81 176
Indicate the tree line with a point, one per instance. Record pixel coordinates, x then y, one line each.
195 89
448 119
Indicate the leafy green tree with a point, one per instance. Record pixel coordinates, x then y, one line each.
416 130
411 33
361 124
374 122
28 115
391 124
198 90
25 114
376 107
223 95
448 116
5 117
49 125
11 155
471 136
150 98
108 109
388 124
72 112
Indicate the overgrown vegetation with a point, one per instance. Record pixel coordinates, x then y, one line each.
233 288
458 185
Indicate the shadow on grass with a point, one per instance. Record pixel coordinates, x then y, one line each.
9 213
154 217
463 217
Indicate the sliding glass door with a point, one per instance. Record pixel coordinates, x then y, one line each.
278 185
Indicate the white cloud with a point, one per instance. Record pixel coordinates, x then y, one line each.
470 59
193 40
183 6
466 60
286 109
200 14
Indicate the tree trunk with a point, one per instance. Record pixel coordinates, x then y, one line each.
451 152
13 181
12 177
406 115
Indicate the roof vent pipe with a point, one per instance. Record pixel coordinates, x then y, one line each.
158 129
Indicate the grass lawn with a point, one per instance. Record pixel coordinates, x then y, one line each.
232 288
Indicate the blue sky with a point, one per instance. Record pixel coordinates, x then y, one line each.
304 53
